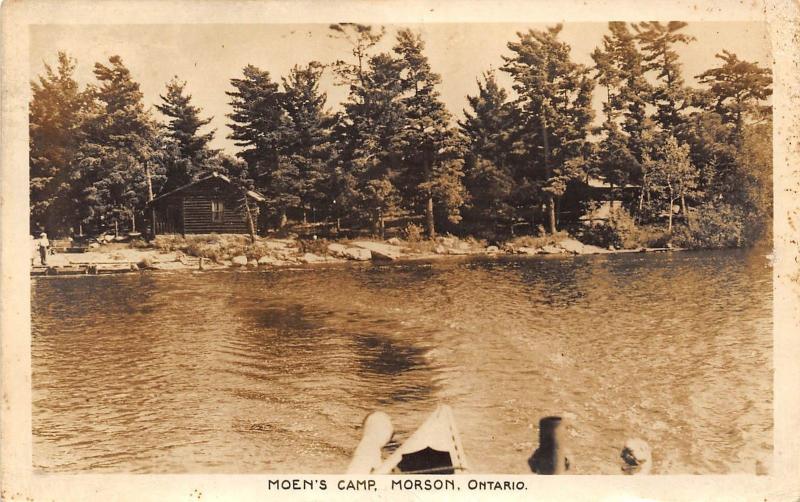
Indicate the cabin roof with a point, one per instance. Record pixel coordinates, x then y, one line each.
250 193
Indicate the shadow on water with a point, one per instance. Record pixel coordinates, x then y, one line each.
289 320
273 372
395 278
284 341
554 282
387 357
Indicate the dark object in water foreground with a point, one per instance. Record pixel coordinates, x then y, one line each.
550 456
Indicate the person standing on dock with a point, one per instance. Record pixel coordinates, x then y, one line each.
44 247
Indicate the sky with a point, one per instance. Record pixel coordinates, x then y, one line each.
207 56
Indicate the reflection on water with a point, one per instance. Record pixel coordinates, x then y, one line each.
274 371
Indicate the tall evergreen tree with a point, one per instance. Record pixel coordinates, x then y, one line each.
56 113
737 90
369 160
116 145
260 125
734 112
432 150
183 127
489 170
620 69
307 145
670 95
553 112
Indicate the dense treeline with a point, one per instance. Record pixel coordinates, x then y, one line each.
694 161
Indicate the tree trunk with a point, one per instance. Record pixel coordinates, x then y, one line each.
669 209
429 218
557 205
379 224
548 173
641 199
551 212
149 181
685 212
283 219
133 221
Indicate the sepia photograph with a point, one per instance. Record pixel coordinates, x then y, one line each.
512 221
408 248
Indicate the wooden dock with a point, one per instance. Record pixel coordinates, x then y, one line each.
85 269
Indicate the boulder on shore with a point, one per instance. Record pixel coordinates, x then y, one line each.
337 249
577 247
276 244
239 261
267 260
492 249
252 263
572 246
527 250
394 241
357 254
379 250
312 258
458 250
550 249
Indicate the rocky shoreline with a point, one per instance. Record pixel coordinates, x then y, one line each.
279 253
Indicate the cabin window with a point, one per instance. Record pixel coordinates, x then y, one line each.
217 210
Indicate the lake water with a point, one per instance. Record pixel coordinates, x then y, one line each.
273 372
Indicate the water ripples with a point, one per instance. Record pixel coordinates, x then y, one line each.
273 372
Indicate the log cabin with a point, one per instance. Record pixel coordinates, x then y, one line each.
212 204
603 195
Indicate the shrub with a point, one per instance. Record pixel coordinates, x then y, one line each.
620 230
315 246
140 243
649 236
413 233
712 227
212 246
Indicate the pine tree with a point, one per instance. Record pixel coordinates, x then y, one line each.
116 146
553 112
307 145
488 168
620 69
56 113
183 125
369 158
670 95
432 150
737 90
259 124
721 134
